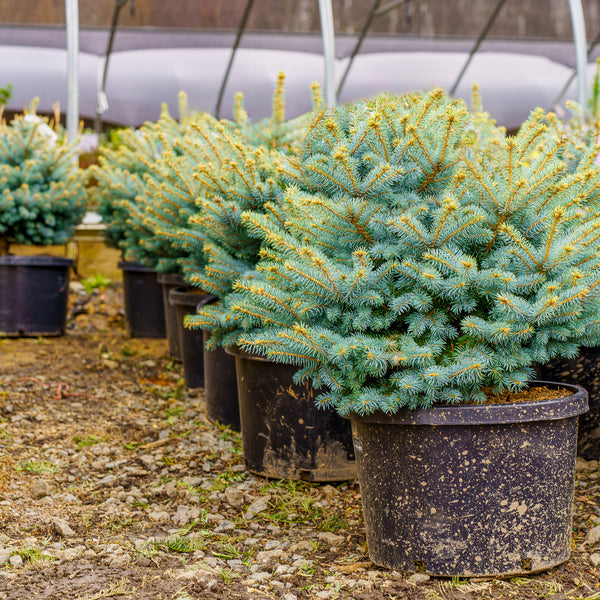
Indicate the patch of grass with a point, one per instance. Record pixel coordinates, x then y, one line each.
88 440
95 282
119 588
173 413
127 352
226 478
229 551
37 466
180 544
33 555
200 521
131 445
227 575
118 524
333 523
292 501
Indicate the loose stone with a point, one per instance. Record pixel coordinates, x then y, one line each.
63 528
40 488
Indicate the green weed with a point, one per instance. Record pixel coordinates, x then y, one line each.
38 467
88 440
95 282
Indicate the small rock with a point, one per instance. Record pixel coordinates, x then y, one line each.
267 556
158 515
212 561
4 555
251 541
40 488
108 481
331 539
259 576
258 506
67 498
234 497
595 559
63 529
301 546
290 597
326 594
185 515
224 525
585 466
419 578
71 553
593 536
15 561
148 460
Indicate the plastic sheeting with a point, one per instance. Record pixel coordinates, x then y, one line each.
139 81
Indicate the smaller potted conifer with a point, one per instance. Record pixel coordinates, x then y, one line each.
149 268
42 199
282 433
417 278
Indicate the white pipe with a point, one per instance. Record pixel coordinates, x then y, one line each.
72 24
328 35
578 24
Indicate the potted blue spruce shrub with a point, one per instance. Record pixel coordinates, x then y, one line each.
280 434
418 282
196 167
580 134
124 166
42 199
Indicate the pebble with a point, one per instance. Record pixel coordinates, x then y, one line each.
159 515
585 466
63 529
4 555
595 559
593 536
258 506
267 556
331 539
185 515
15 561
419 578
234 497
40 488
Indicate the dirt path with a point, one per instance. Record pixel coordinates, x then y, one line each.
113 484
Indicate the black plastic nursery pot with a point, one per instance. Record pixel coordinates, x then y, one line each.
144 307
34 294
473 490
284 435
170 281
220 383
584 370
185 299
220 386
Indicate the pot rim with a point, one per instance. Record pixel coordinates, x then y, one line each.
488 414
170 278
127 265
35 260
186 295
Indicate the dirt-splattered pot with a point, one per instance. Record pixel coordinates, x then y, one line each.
284 435
477 490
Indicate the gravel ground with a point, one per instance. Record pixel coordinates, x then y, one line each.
113 484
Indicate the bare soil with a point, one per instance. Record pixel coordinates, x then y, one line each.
113 484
